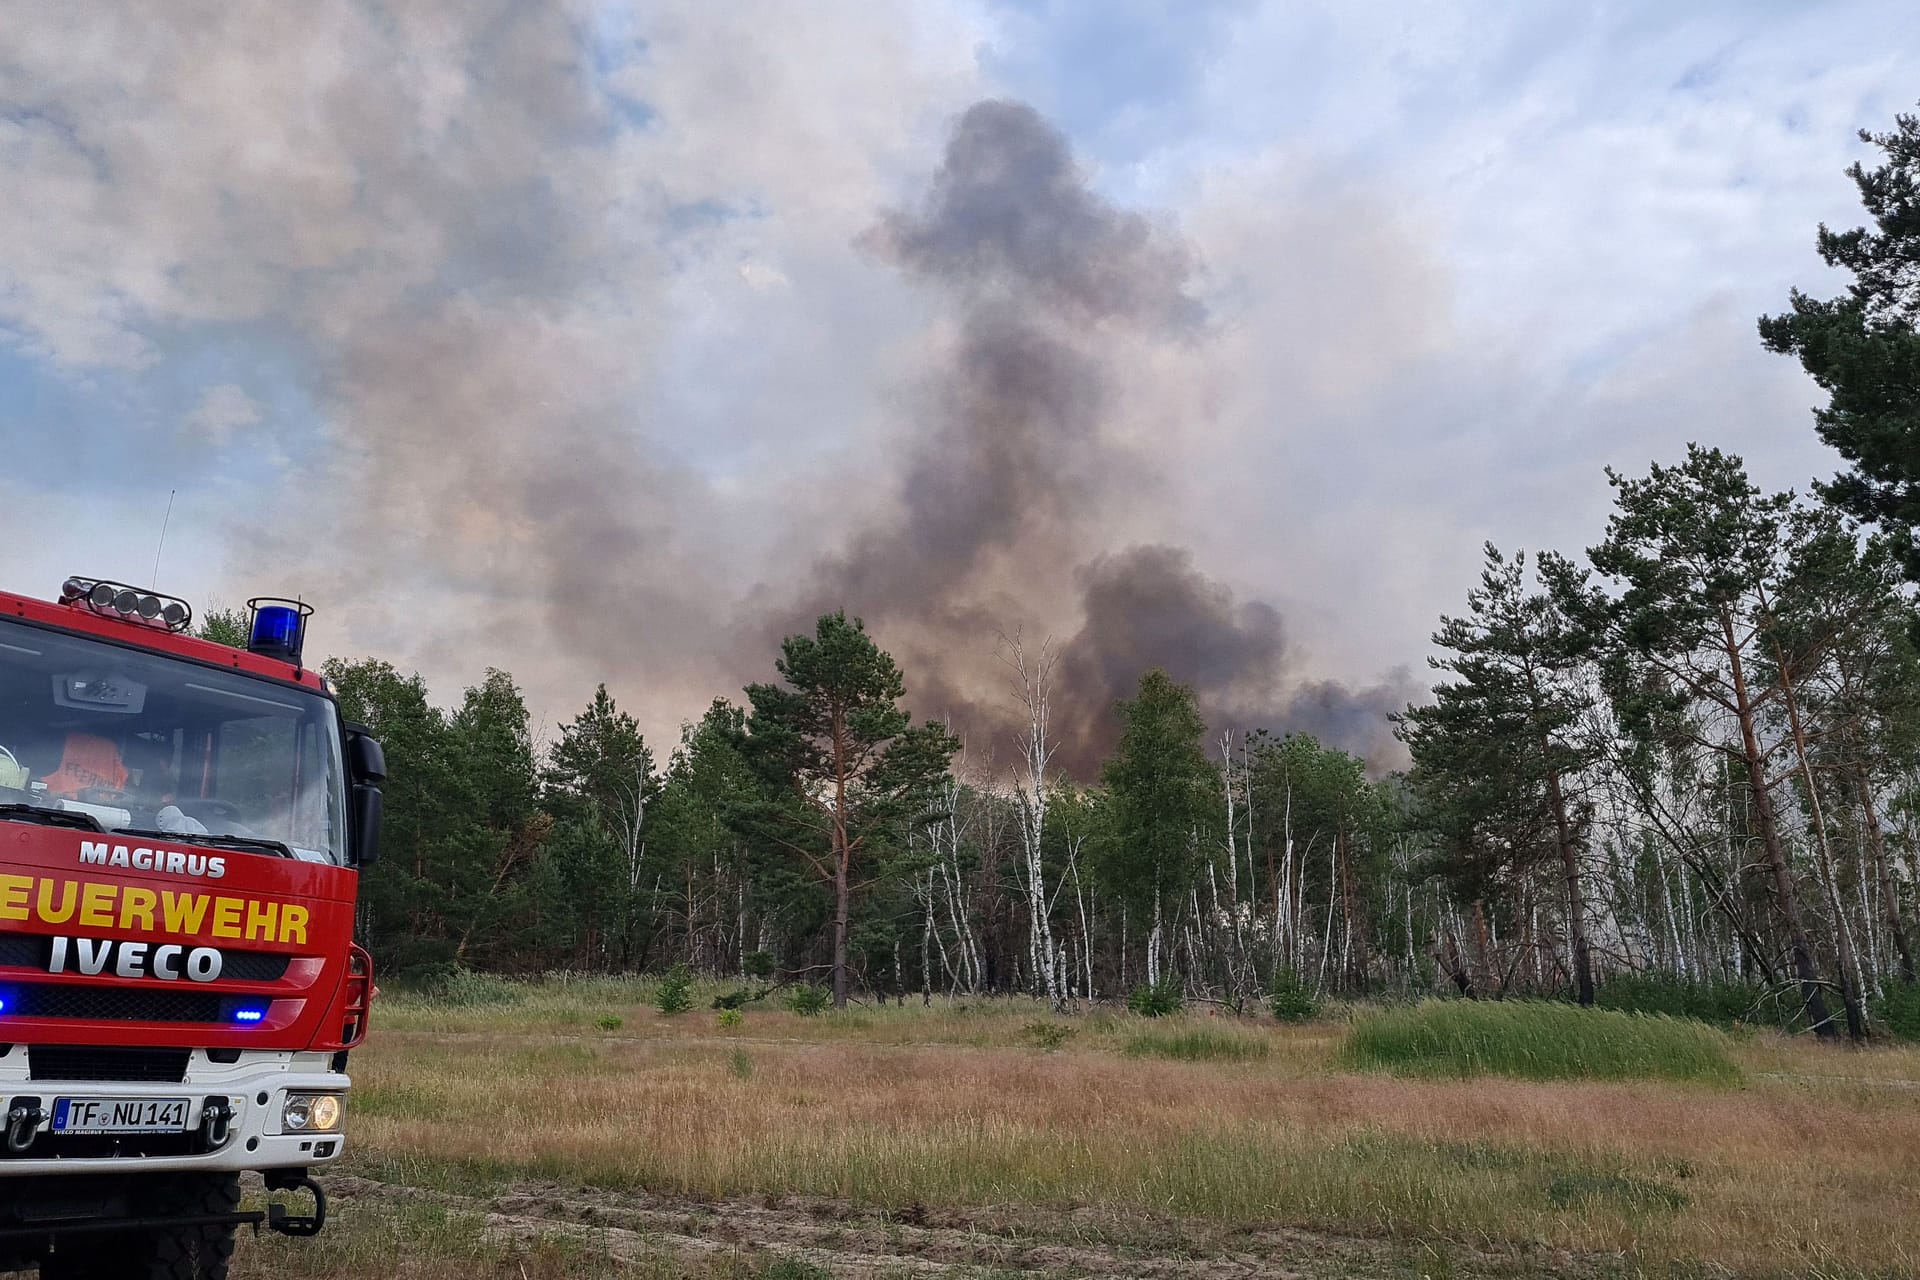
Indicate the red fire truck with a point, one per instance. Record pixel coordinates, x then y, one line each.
182 825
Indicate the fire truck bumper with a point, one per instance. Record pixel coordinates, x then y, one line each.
277 1111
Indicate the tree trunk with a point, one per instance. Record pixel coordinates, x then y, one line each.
841 856
1889 894
1852 984
1576 895
1355 959
1483 952
1783 890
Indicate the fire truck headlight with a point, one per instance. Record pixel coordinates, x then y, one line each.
311 1113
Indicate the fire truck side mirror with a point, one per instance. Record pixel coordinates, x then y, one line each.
368 764
366 824
365 757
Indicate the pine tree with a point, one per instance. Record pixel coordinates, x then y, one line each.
1501 746
1863 348
727 891
400 898
1161 804
847 768
501 828
598 784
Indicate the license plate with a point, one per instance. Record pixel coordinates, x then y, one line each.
119 1115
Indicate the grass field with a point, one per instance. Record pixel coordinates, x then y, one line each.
573 1131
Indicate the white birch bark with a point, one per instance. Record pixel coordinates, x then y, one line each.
1032 677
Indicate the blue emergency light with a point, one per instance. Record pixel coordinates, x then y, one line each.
279 628
249 1015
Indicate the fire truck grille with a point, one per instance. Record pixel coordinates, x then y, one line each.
91 1062
29 951
254 966
111 1004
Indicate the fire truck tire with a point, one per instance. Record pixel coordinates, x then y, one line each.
197 1253
166 1253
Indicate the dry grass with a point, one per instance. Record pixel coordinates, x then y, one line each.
1813 1165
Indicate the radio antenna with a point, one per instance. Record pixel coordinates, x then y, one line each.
164 522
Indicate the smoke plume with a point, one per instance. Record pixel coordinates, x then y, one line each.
1024 472
448 256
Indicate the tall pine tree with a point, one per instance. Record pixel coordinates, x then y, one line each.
1863 347
846 767
1502 745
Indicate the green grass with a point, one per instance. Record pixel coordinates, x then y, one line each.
1728 1005
1199 1044
1537 1040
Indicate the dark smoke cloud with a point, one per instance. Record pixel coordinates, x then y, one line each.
1009 208
1017 484
1150 607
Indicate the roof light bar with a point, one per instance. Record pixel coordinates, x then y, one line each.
130 604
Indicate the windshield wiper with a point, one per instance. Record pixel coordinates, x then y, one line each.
248 844
50 817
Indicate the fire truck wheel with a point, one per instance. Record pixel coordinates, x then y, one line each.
166 1253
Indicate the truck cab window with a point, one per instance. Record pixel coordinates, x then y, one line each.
140 741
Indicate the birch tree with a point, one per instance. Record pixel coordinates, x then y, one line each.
1032 676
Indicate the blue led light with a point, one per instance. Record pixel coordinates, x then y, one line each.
276 628
3 1004
249 1015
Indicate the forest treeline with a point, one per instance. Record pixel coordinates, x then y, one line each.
1680 766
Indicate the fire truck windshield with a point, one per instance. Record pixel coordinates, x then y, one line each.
137 741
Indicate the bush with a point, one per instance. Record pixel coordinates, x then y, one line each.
1156 1000
808 1000
1537 1040
1290 999
1047 1035
675 992
1899 1012
757 964
610 1022
733 999
1201 1044
1724 1004
729 1019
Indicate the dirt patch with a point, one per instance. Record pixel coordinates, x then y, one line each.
853 1243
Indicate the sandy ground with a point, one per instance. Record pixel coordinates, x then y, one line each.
857 1244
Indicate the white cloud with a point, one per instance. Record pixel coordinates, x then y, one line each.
222 411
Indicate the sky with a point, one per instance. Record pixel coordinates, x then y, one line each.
611 342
